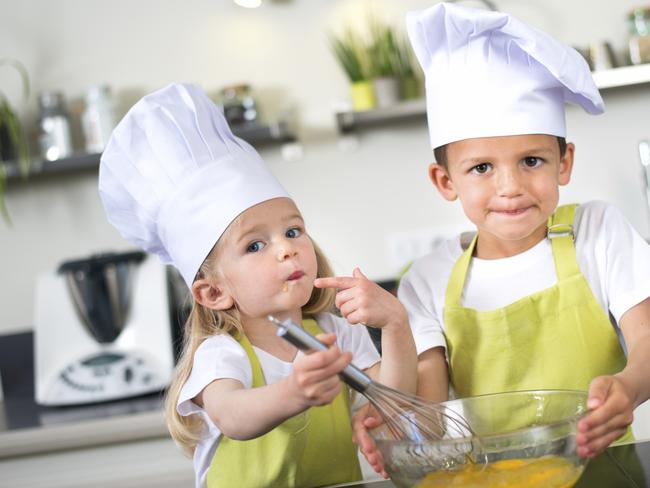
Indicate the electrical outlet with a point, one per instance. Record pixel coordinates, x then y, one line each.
406 246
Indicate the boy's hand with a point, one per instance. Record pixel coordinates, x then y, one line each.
315 375
611 412
367 418
362 301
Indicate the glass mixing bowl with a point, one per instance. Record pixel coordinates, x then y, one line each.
522 439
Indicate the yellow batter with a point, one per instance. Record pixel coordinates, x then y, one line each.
545 472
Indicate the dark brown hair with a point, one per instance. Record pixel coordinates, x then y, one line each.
440 153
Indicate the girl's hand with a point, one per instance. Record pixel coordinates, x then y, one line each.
362 301
315 375
611 412
367 418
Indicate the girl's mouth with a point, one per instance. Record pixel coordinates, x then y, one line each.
296 275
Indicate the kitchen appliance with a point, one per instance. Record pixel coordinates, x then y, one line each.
102 330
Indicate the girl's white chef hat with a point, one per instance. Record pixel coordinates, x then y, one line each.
488 74
173 176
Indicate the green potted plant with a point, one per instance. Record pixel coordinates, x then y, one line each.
384 62
351 52
13 143
408 70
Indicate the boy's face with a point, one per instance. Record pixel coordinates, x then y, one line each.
508 187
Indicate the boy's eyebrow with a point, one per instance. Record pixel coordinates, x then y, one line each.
525 152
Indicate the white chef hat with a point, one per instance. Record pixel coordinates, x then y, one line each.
488 74
173 176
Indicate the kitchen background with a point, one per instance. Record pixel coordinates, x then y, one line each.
363 188
361 204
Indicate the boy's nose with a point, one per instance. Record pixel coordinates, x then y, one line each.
508 183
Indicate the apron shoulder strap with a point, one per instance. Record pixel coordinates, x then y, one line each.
560 232
256 368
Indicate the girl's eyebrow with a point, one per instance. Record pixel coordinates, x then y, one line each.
259 227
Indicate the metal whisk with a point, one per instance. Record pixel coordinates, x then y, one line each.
407 417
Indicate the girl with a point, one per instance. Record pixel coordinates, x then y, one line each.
176 181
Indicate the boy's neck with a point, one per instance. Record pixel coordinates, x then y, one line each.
489 246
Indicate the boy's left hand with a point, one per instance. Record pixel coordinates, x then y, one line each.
611 408
362 301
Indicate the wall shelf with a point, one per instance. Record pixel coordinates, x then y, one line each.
349 121
256 135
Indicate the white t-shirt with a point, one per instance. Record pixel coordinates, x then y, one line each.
612 256
221 356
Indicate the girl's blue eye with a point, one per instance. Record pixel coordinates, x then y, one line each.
532 161
481 168
293 233
255 246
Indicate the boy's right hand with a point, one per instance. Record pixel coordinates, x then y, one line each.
367 418
315 375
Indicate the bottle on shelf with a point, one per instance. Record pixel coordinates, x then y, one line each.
55 137
98 118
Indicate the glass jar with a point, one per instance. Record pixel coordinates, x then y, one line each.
55 136
639 31
238 104
98 119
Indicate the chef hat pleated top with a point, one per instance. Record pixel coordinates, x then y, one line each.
173 176
488 74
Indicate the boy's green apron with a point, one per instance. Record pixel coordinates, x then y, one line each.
313 448
558 338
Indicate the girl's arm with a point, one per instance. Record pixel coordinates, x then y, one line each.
242 413
362 301
612 399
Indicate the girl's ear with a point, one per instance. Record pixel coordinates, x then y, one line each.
566 164
211 295
439 176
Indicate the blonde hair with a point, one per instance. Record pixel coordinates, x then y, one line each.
203 323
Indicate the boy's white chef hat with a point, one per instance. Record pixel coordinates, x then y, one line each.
173 176
488 74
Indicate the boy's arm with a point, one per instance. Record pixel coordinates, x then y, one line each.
433 376
613 399
242 413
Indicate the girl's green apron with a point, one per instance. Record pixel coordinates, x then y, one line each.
313 448
558 338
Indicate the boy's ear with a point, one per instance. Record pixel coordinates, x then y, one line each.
440 178
566 164
211 295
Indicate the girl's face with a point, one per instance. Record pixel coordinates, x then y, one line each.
508 186
267 261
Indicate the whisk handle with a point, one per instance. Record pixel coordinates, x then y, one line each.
303 340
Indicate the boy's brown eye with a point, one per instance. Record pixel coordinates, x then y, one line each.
481 168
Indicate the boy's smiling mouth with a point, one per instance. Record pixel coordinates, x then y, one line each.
511 212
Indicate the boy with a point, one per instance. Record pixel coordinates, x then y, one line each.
539 297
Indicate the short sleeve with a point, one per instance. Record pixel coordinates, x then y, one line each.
626 259
352 338
216 358
416 295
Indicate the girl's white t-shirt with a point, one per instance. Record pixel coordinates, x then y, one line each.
612 256
221 356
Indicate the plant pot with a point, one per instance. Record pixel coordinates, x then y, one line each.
386 91
363 95
410 88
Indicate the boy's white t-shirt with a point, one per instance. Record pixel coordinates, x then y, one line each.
221 356
612 256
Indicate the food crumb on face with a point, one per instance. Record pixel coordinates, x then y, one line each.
285 287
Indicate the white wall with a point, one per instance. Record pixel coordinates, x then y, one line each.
352 200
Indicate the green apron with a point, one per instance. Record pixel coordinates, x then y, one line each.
557 338
313 448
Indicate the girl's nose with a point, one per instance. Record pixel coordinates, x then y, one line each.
285 252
